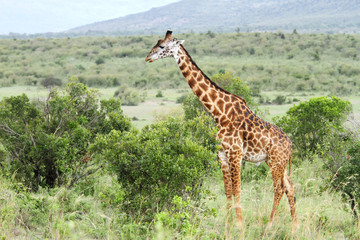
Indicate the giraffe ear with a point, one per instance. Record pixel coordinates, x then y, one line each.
178 42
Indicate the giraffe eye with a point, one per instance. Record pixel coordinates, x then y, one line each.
161 47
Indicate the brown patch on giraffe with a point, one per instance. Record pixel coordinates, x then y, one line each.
228 106
237 106
195 74
182 66
213 95
226 98
191 82
232 114
215 112
205 98
203 86
186 73
208 106
220 103
224 121
250 136
236 134
198 92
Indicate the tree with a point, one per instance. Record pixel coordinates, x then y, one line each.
309 122
48 142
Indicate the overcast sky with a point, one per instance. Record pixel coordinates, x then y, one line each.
39 16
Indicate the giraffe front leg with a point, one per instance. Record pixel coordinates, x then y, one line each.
227 179
235 158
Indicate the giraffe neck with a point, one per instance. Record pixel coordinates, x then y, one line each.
209 94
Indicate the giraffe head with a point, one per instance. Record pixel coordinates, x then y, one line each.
164 48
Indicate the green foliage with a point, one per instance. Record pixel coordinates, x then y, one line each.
99 61
182 216
341 155
51 82
309 122
280 99
262 60
161 161
48 142
159 94
129 97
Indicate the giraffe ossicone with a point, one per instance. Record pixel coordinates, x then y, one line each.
243 135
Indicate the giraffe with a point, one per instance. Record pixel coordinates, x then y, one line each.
243 135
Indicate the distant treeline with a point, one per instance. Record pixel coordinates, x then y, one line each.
267 61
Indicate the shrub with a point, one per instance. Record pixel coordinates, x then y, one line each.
309 122
159 94
50 82
161 161
279 100
48 143
128 97
99 61
181 99
341 156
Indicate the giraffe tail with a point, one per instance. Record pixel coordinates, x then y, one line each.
290 160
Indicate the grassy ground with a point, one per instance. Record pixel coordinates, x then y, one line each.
75 214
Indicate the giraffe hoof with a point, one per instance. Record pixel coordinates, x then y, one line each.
240 225
268 227
295 226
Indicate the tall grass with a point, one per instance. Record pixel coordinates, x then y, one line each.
90 211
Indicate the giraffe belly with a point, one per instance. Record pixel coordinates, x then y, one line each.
256 157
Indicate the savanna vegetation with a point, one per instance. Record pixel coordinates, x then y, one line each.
265 61
74 165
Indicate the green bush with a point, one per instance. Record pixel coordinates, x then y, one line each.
51 82
341 156
99 61
128 97
48 142
308 123
161 161
279 100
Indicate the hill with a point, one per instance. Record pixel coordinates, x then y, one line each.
235 15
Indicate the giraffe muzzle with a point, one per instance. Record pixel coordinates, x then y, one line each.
148 59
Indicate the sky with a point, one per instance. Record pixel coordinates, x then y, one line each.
40 16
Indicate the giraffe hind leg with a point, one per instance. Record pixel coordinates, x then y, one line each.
290 193
279 189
